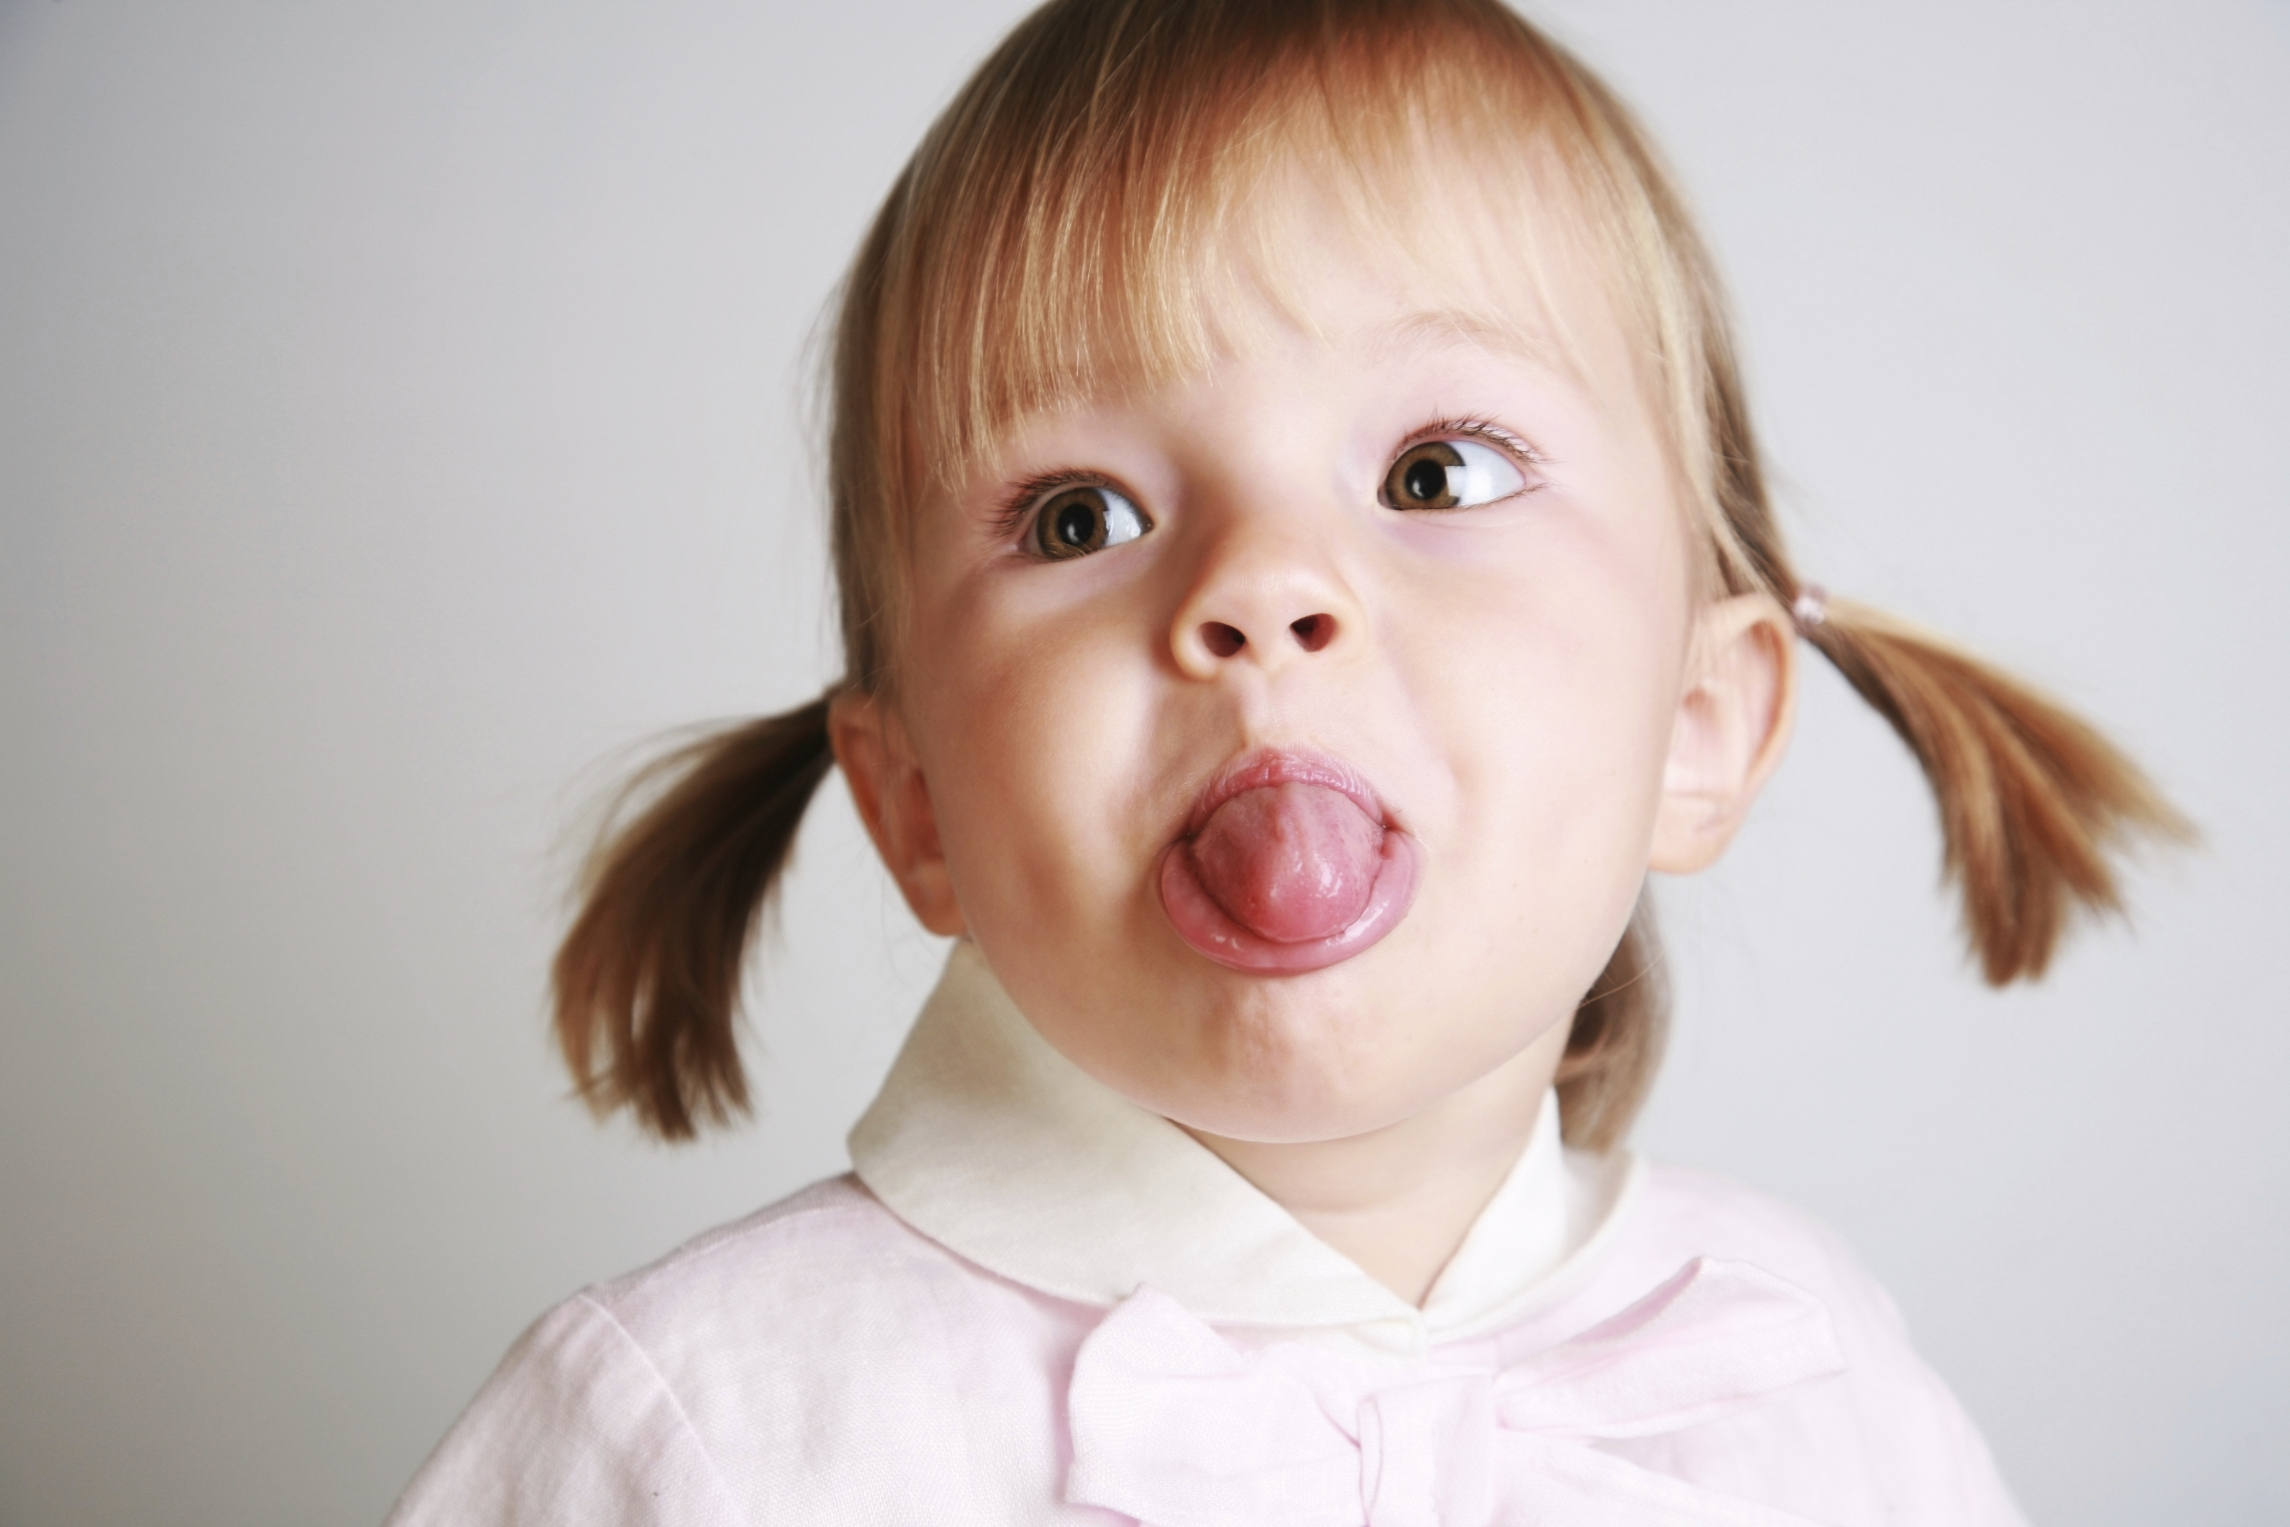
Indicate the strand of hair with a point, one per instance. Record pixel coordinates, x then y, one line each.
2036 806
647 981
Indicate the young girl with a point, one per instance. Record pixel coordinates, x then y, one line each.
1303 561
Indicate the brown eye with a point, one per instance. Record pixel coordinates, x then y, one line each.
1450 474
1419 479
1079 520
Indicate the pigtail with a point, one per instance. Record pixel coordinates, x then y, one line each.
647 980
2033 800
1615 1046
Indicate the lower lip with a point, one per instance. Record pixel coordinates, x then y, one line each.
1211 931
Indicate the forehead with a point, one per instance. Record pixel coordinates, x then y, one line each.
1437 248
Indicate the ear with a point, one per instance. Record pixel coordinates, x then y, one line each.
886 782
1732 726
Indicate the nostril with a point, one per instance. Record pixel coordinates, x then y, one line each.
1221 639
1314 631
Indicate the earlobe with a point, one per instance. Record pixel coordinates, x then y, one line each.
1732 726
893 799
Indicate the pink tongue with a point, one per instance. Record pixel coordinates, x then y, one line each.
1290 863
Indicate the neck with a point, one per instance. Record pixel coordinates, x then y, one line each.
1399 1200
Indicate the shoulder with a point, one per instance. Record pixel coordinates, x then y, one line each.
1680 1213
1882 1441
744 1375
823 1296
833 1240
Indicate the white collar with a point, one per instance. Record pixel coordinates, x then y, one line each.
987 1140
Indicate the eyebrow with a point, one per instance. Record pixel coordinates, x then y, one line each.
1480 331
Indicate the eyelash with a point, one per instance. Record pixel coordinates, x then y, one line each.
1476 429
1023 498
1028 494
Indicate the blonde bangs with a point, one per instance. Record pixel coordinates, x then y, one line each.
1072 224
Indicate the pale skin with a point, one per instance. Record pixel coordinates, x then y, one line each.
1536 686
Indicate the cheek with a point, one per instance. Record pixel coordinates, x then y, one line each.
1555 673
1035 735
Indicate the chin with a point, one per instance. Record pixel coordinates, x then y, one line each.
1298 1109
1304 1058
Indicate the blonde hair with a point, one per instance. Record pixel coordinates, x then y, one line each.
1059 228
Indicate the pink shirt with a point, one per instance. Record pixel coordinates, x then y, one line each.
1034 1302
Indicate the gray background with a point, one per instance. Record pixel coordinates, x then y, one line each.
398 425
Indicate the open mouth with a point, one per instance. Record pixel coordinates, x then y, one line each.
1288 863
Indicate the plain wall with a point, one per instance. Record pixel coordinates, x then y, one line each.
399 424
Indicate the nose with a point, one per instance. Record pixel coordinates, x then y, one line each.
1266 597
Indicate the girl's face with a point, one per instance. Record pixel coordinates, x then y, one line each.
1515 681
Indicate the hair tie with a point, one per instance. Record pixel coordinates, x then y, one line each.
1810 609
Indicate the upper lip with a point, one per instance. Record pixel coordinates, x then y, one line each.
1259 768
